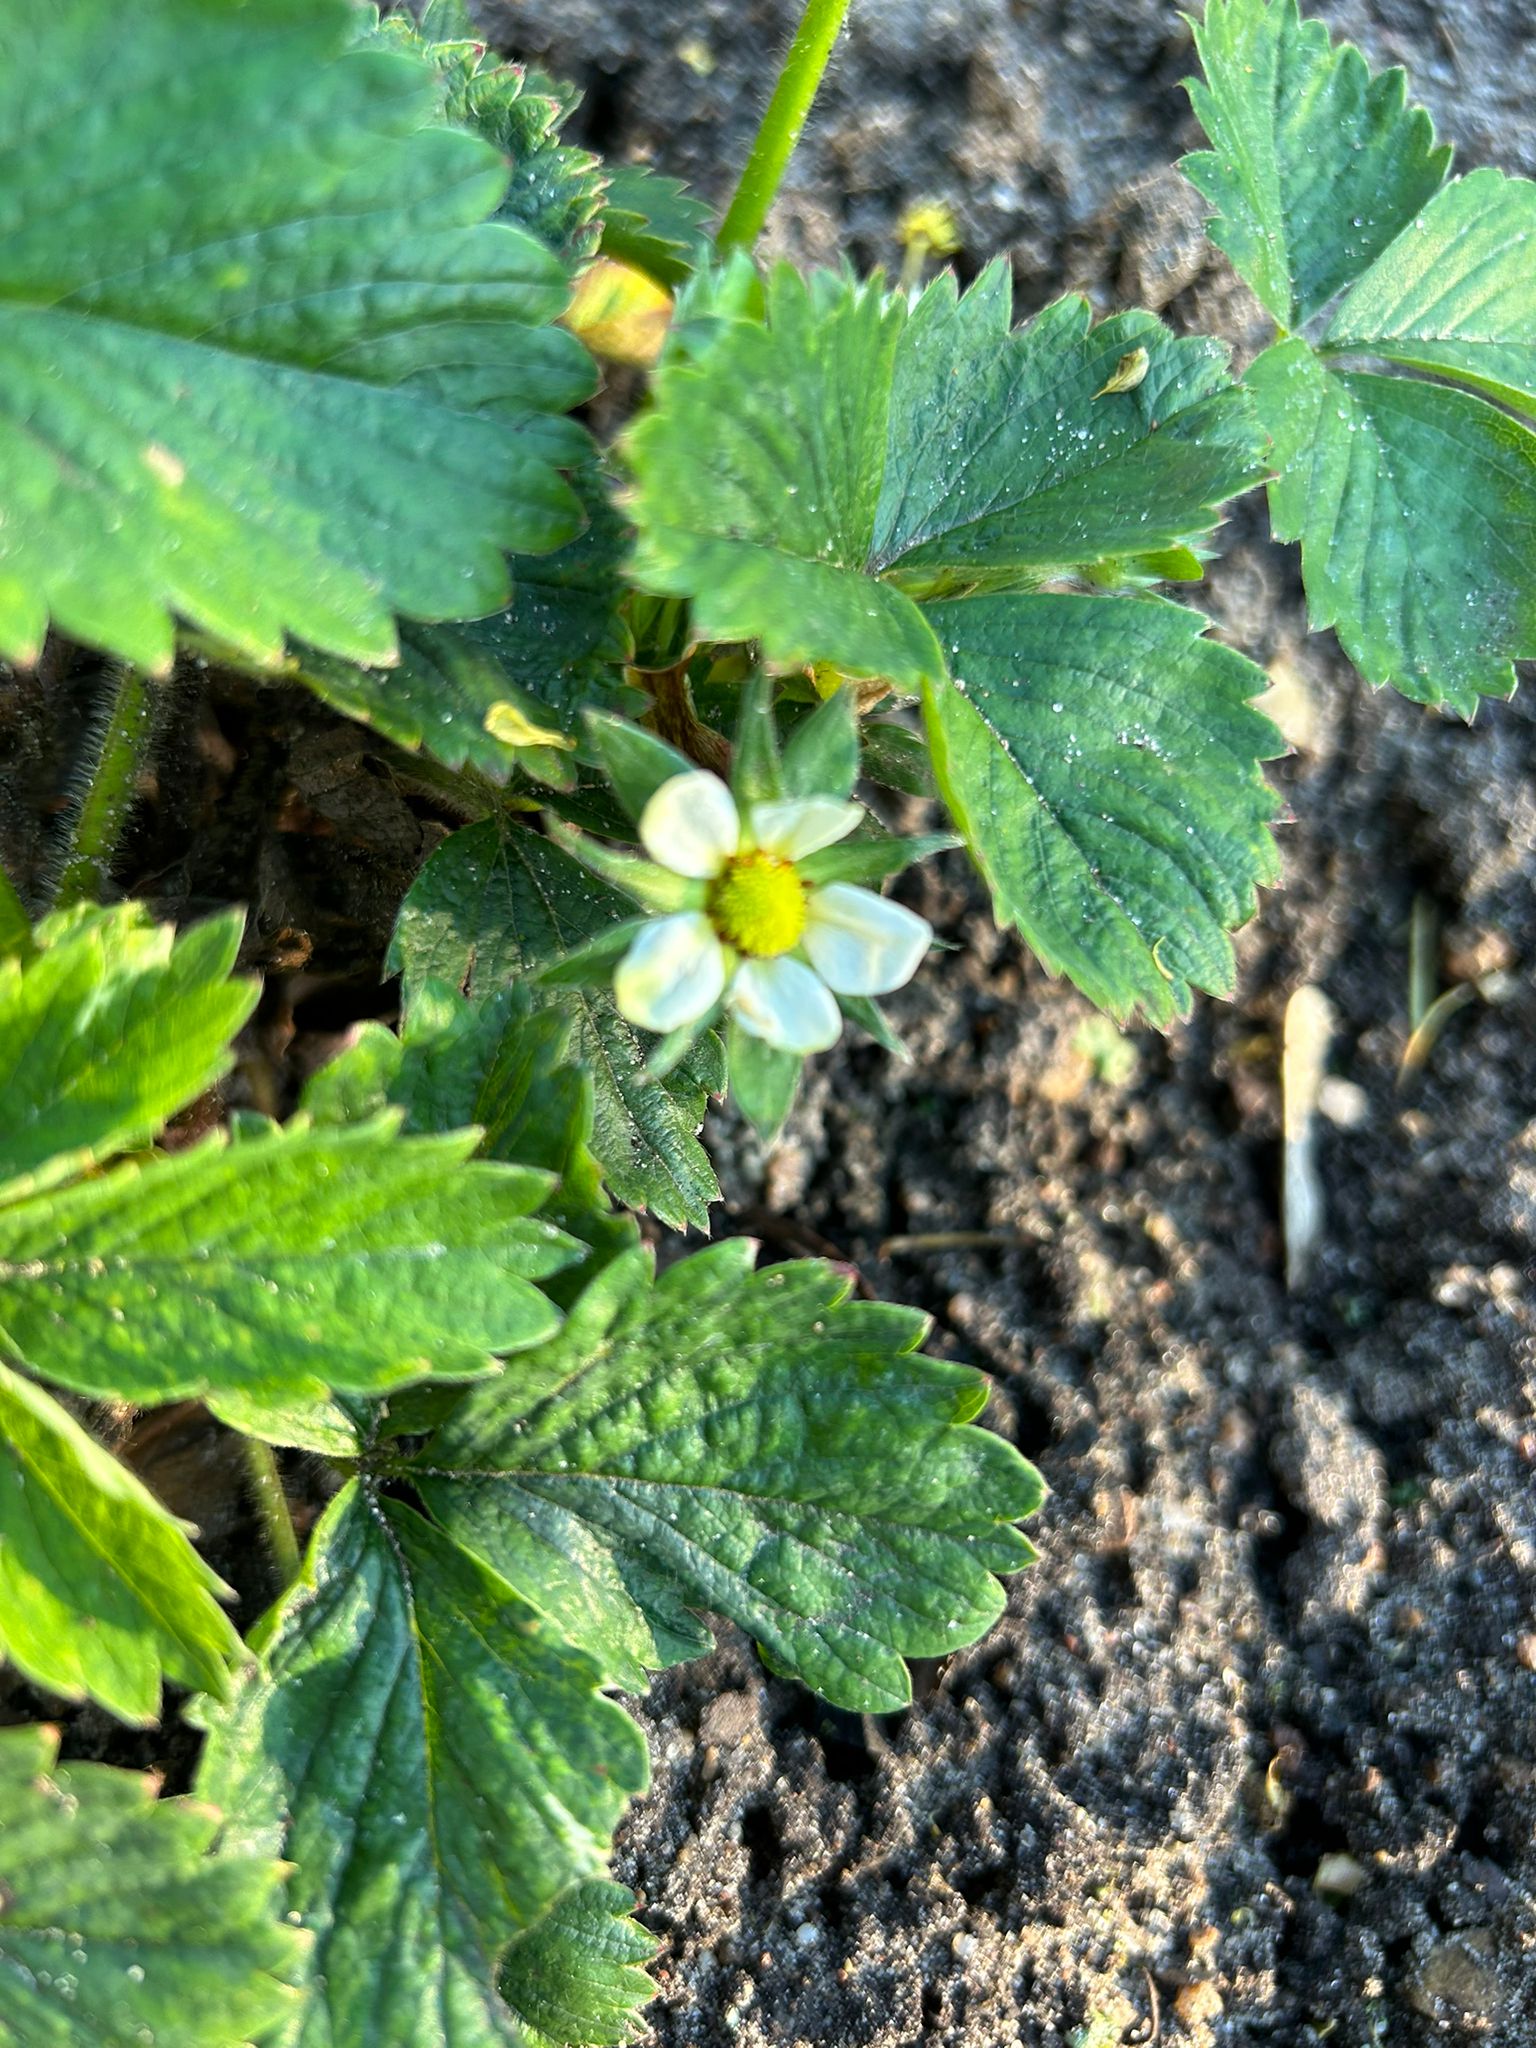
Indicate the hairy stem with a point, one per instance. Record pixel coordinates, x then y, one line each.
781 124
114 754
271 1503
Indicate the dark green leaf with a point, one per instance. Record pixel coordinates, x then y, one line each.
578 1975
1315 166
115 1025
265 365
1101 758
753 1443
497 902
445 1767
485 692
280 1268
118 1927
1010 462
1415 506
651 221
101 1594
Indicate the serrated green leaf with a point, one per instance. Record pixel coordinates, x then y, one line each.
652 221
578 1975
118 1926
283 1267
253 305
1315 165
446 1768
101 1594
1010 463
497 902
756 1444
1456 293
1415 506
1101 758
483 692
115 1025
807 478
757 477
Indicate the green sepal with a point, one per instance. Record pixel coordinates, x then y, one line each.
635 761
896 758
656 887
757 774
870 860
764 1081
821 755
869 1016
591 965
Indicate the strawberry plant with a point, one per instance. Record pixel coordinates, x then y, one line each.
291 334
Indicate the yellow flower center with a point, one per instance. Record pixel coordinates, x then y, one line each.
757 904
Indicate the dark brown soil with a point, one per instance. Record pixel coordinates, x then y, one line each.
1286 1606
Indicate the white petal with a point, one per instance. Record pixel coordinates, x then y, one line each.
802 824
782 1002
690 824
673 974
862 944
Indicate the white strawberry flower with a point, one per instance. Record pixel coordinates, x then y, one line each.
779 949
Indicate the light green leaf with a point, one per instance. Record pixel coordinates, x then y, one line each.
751 1443
497 902
484 692
280 1268
115 1025
1315 165
446 1769
1456 293
578 1975
101 1594
119 1927
265 364
1415 506
806 478
1101 758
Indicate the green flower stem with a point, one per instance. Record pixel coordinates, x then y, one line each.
115 753
781 124
266 1484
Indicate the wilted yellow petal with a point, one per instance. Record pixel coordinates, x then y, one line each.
515 728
